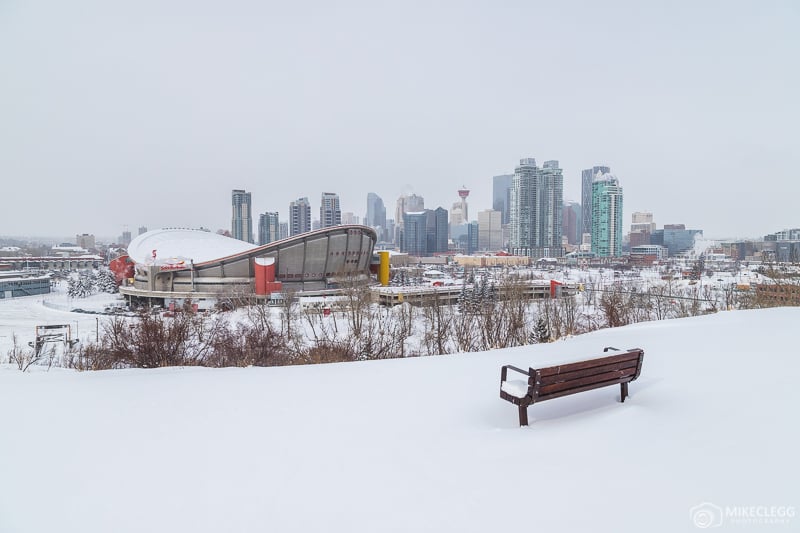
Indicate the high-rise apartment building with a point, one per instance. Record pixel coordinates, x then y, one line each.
536 203
269 228
329 212
242 219
587 178
142 230
490 230
501 195
299 216
606 216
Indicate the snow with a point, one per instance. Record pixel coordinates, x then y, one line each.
173 245
418 444
515 387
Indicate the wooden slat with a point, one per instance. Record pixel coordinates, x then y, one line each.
613 376
580 365
567 376
581 389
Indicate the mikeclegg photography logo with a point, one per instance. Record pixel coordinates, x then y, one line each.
708 515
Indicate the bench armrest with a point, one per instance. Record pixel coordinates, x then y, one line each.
504 372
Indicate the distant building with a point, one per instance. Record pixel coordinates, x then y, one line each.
642 227
349 218
299 216
473 233
329 212
284 230
440 231
85 240
501 195
125 238
415 233
787 251
406 204
677 239
490 230
142 230
648 254
268 228
606 216
536 204
571 225
376 215
242 219
587 178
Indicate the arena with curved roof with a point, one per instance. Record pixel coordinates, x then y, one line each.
173 264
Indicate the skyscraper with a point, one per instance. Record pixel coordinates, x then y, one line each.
415 233
501 192
329 212
439 232
376 211
269 228
606 216
406 204
536 203
299 216
242 220
473 232
587 177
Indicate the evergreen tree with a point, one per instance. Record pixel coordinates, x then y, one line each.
104 281
541 332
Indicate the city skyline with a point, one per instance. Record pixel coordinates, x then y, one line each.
687 103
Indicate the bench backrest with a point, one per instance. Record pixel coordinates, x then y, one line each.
562 380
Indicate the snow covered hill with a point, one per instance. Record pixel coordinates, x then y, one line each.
416 444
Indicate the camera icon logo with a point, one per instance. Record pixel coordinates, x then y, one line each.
706 515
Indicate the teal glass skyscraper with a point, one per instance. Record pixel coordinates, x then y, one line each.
606 216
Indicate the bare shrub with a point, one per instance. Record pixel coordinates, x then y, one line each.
22 357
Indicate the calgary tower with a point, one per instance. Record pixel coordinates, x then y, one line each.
463 192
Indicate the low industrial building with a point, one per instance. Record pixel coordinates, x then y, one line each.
14 285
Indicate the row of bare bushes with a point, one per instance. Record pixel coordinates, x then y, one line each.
362 330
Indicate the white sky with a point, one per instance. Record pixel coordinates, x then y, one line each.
150 112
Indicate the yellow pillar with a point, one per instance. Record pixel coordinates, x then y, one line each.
383 269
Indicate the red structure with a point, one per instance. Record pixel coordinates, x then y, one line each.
122 267
265 276
554 287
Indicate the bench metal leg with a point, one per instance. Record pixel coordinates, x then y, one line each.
523 415
623 390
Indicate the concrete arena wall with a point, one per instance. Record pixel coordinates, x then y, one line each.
311 261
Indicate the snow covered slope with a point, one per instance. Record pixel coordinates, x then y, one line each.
414 445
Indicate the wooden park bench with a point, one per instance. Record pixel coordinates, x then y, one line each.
563 380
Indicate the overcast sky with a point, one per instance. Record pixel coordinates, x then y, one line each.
117 114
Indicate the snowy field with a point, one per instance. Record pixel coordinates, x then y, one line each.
20 316
422 444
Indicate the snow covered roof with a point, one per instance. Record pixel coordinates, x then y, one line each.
163 246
